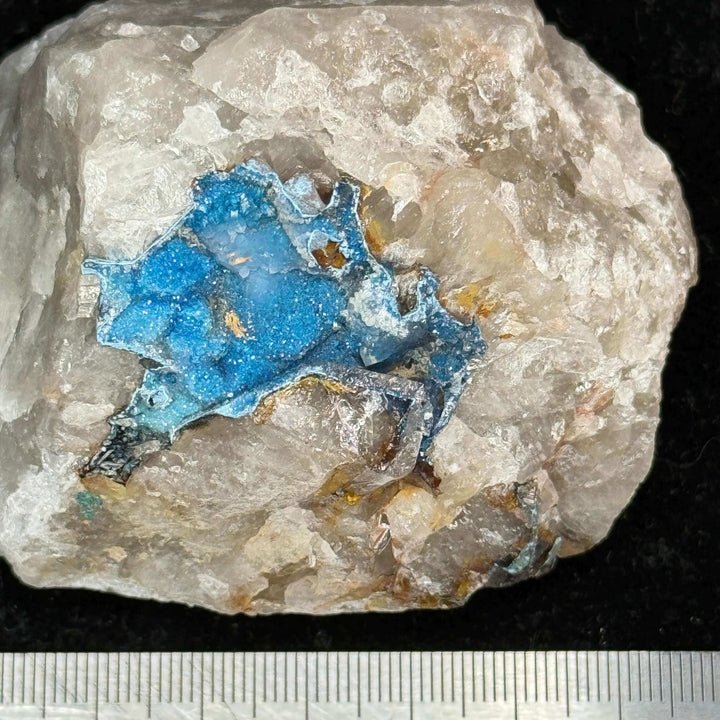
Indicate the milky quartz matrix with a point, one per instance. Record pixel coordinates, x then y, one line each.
458 258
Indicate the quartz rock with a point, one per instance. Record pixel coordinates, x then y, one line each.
492 151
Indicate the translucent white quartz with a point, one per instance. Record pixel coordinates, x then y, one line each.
511 165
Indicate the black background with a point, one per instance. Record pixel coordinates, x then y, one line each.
654 584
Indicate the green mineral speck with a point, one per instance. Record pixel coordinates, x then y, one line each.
88 503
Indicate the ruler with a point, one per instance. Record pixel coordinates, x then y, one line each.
387 685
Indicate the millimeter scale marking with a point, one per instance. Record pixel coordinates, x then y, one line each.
635 685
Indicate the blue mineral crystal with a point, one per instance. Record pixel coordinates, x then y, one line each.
258 286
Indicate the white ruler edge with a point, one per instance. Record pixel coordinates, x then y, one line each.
413 685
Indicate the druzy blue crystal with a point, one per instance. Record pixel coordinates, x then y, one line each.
257 286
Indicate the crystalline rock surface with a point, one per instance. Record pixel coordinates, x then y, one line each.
325 308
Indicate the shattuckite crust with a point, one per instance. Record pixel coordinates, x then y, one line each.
257 287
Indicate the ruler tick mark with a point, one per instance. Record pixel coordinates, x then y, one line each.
192 677
97 686
233 679
254 674
442 677
390 677
682 681
672 689
44 685
619 687
607 662
75 675
412 694
347 676
494 678
379 676
212 677
244 684
473 675
369 677
337 676
504 674
202 686
597 676
712 674
567 686
149 687
504 678
452 675
307 686
692 679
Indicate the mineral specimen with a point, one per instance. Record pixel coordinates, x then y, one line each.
426 173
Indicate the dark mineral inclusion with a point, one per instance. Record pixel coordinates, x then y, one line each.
260 285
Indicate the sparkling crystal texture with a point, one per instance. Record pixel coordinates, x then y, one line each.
314 302
423 355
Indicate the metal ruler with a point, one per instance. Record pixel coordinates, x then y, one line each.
387 685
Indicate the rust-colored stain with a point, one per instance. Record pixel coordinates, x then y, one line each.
351 498
330 256
547 535
466 585
503 497
374 237
339 477
267 405
598 399
263 412
339 490
506 336
468 296
387 451
431 187
104 487
405 591
239 600
471 577
423 476
469 301
239 260
233 322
